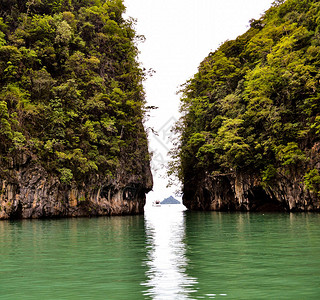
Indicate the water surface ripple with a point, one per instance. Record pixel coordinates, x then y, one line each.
166 254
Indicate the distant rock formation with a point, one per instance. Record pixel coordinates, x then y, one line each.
170 200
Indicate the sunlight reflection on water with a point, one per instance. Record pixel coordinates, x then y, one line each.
167 262
165 254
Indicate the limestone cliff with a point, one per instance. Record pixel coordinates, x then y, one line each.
249 134
244 191
31 192
72 104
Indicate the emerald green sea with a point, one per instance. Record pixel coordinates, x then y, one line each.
165 254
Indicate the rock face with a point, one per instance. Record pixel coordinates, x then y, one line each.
30 192
243 192
72 141
249 132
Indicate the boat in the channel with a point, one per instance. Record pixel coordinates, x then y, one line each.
156 203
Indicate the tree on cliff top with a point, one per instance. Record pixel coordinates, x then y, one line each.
70 88
253 106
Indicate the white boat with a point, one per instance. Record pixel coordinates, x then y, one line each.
157 206
156 203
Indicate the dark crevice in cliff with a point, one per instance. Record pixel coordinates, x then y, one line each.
262 202
16 212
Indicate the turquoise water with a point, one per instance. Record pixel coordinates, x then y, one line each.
166 254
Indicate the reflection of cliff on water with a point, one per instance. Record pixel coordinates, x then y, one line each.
167 262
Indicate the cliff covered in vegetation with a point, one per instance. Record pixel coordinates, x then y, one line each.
250 130
72 142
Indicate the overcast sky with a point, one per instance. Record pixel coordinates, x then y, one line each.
179 35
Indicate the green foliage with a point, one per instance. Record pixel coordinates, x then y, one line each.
268 175
254 104
5 126
71 88
65 175
290 154
312 181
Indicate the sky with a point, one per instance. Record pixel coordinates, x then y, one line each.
179 35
